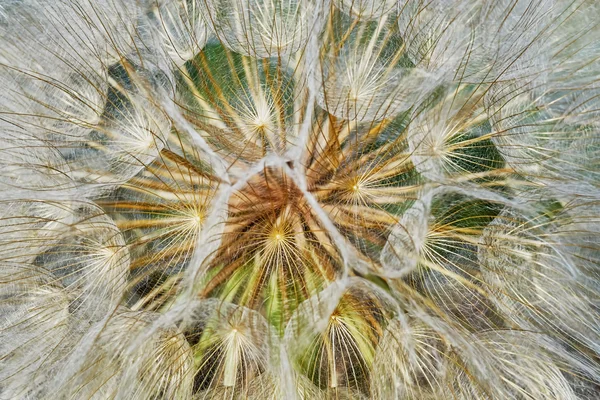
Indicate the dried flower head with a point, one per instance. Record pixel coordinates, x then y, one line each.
299 199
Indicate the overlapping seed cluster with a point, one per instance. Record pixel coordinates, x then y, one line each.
299 199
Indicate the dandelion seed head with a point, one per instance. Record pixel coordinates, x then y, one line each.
299 199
